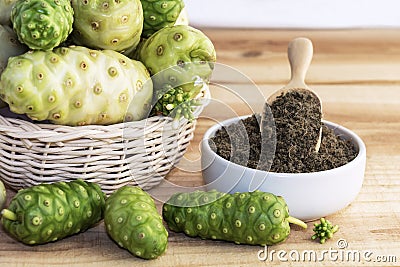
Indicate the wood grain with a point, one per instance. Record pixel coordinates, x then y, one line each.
357 75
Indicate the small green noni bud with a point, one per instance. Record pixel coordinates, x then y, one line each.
133 222
255 218
49 212
175 103
324 230
3 194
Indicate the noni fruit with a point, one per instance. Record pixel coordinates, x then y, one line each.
256 218
42 24
159 14
108 24
133 222
3 194
5 11
178 56
49 212
77 86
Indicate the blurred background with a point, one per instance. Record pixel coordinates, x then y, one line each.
321 14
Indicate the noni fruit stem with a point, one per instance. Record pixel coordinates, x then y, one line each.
255 218
9 215
49 212
296 221
133 222
42 24
324 230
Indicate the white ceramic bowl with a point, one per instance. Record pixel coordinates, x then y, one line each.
309 196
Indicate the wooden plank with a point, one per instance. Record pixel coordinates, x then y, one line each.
340 56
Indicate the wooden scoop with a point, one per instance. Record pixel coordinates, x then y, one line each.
300 52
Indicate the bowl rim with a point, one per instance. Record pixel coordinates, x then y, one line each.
353 137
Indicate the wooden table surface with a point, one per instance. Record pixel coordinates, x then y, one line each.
357 75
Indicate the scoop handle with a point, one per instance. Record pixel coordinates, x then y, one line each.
300 53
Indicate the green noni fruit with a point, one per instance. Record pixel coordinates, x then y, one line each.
255 218
42 24
77 86
108 24
133 222
178 55
159 14
49 212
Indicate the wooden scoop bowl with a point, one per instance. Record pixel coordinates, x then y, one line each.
300 52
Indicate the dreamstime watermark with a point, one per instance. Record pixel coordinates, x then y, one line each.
339 254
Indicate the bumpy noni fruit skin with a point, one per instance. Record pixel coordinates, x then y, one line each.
49 212
159 14
108 24
255 218
42 24
133 222
179 55
77 86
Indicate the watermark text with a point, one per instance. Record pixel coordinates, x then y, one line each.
339 254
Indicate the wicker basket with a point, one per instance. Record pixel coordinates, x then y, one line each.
137 153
